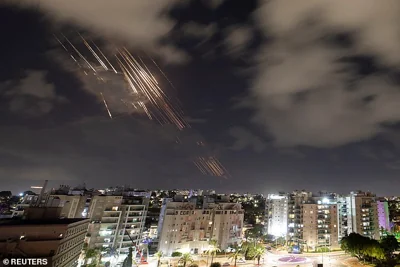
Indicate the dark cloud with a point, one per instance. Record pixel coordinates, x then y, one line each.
140 23
244 139
32 96
305 93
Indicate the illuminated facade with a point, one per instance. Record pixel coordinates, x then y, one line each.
383 215
277 214
320 224
187 228
117 222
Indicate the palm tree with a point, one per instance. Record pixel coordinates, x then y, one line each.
259 251
235 255
186 258
158 255
244 248
213 249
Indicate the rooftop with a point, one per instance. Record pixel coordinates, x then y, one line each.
11 222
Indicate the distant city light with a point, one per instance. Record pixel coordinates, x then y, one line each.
21 194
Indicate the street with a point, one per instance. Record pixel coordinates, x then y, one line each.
332 259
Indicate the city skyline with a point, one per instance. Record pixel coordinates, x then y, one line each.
242 90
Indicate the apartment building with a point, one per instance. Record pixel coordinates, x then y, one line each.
313 220
186 227
117 221
343 209
319 223
60 241
362 214
277 214
383 216
295 201
72 206
394 213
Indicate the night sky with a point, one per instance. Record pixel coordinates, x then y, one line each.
287 95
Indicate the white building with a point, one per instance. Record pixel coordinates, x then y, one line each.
277 214
185 228
117 222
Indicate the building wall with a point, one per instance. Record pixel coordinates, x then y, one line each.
320 229
60 243
383 215
115 224
72 206
277 215
363 217
187 229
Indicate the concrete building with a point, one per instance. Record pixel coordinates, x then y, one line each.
394 213
185 227
320 225
277 214
295 200
72 206
383 216
312 221
117 222
362 214
343 207
60 241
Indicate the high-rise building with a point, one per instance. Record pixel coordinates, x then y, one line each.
383 216
295 200
320 223
362 214
59 241
186 227
117 221
394 213
277 214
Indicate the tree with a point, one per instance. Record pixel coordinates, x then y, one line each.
362 247
245 249
259 251
129 259
255 233
235 255
92 253
389 245
186 258
159 255
215 264
213 249
176 254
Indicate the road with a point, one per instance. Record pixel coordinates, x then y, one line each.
332 259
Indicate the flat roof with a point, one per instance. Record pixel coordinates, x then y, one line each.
12 222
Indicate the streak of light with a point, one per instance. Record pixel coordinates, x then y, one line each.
142 93
36 187
105 104
162 72
93 52
101 52
79 53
